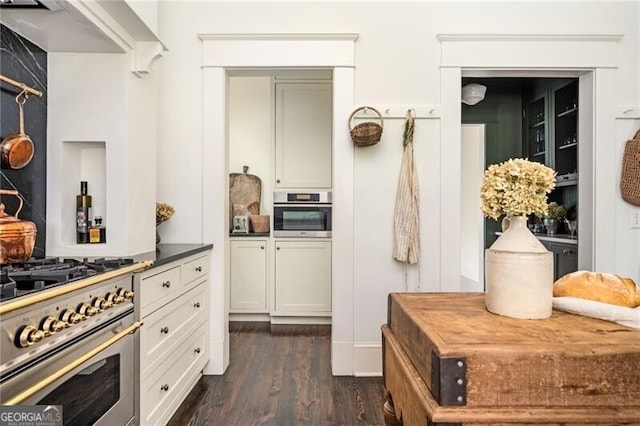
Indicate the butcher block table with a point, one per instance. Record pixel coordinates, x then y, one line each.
448 361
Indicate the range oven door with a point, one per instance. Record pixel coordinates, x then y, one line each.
302 220
93 387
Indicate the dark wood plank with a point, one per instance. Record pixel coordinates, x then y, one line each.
281 375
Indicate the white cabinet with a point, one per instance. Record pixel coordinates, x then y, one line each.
172 302
303 277
303 135
249 276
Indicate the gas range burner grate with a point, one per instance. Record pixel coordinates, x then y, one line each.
38 274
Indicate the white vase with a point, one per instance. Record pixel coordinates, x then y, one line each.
519 274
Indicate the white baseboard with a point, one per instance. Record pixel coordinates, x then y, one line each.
342 358
367 359
249 317
301 320
218 359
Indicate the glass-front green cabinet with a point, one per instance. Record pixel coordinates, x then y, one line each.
551 138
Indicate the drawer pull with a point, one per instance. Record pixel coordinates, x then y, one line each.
196 305
164 387
261 247
198 268
567 251
166 284
197 350
164 330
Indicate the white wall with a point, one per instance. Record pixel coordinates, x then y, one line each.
251 131
95 102
397 63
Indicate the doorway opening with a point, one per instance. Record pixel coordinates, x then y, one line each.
270 113
537 116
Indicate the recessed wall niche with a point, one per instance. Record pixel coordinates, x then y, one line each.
83 161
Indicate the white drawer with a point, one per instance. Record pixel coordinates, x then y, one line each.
158 289
167 328
195 267
162 392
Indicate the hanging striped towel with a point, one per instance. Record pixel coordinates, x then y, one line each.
406 241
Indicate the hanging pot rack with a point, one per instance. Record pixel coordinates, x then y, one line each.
22 86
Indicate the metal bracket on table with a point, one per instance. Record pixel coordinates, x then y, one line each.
449 380
430 423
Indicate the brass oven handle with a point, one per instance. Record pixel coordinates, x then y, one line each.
40 296
71 366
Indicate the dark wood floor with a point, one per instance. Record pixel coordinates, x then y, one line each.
281 375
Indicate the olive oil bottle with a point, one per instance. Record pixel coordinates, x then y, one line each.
83 214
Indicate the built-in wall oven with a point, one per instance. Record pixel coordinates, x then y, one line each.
302 214
72 345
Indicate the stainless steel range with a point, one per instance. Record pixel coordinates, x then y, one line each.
67 337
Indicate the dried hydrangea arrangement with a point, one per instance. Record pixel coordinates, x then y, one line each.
517 187
163 212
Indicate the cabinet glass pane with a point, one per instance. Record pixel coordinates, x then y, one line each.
536 124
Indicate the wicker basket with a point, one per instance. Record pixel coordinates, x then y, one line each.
368 133
630 181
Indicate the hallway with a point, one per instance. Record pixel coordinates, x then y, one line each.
281 375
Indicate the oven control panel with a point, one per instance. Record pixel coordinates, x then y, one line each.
45 325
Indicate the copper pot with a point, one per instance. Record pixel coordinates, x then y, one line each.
16 150
17 237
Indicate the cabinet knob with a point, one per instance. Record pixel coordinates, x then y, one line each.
261 247
199 269
166 284
164 387
196 305
164 330
277 180
277 248
196 350
567 251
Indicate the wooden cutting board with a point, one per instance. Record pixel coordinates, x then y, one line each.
244 194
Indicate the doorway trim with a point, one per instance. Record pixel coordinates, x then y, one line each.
225 52
594 59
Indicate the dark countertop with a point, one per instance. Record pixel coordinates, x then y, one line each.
250 234
167 253
556 238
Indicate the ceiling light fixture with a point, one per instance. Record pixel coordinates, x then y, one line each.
473 93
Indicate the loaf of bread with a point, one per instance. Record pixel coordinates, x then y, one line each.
606 288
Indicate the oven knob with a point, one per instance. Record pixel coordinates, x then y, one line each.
114 298
101 303
28 336
87 310
127 294
69 317
51 325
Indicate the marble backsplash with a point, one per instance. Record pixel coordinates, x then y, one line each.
25 62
